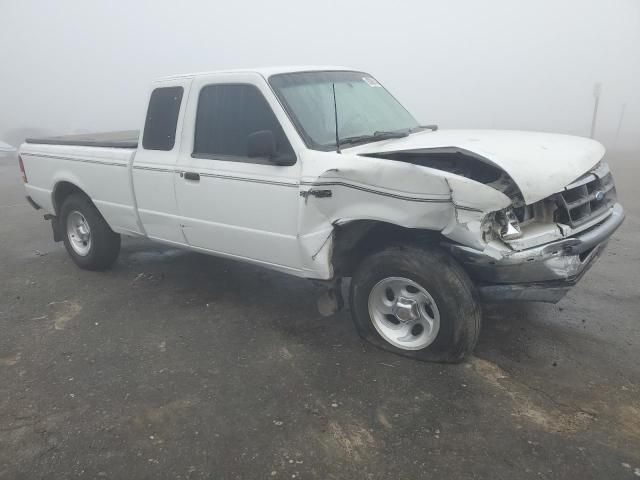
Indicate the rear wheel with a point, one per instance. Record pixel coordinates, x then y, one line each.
417 302
87 237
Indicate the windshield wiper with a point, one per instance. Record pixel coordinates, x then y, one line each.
433 128
375 137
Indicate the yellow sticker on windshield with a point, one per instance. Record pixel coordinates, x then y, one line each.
371 82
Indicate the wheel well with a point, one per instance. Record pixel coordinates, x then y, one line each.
61 191
354 241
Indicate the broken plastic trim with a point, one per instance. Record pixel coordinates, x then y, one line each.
508 224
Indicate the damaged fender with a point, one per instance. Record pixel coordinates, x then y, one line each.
473 201
402 194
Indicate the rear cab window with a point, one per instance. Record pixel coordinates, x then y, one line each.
162 118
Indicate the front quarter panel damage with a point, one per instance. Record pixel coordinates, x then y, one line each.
397 193
473 201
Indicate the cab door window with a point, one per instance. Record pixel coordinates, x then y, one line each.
227 115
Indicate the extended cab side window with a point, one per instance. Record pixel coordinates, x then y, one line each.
227 115
162 118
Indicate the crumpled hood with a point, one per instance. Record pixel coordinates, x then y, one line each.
540 163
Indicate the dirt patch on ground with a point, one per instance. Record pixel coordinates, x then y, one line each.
531 404
63 312
383 419
28 436
617 413
354 441
628 417
162 415
10 360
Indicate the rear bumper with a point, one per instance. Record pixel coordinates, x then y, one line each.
544 273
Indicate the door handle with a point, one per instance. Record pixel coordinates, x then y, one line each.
194 176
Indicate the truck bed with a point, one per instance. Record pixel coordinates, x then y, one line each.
120 139
97 164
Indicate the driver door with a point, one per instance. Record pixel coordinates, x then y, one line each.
230 203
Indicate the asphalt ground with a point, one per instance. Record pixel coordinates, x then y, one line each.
178 365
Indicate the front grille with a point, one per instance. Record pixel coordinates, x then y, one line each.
585 199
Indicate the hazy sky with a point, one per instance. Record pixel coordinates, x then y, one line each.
86 65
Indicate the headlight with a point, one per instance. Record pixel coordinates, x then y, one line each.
507 224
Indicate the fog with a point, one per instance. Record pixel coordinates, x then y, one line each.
75 66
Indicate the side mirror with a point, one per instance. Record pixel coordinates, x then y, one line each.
261 144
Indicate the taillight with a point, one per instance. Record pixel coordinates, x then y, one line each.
24 174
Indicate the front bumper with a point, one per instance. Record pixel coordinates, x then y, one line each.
544 273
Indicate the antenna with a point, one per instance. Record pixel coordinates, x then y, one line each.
335 113
597 90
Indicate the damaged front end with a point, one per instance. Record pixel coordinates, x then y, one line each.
544 273
538 252
516 251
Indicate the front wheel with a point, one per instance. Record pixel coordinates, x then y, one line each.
88 238
417 302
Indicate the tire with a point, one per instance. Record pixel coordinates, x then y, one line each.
417 302
89 240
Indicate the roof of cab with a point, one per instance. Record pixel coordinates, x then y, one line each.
266 72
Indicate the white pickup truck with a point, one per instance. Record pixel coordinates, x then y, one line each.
321 173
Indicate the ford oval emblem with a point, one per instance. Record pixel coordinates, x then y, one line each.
599 195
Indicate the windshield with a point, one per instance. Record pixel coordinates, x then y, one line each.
366 111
